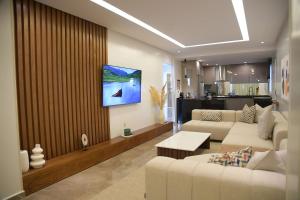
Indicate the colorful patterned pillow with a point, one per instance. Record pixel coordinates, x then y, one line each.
248 114
237 159
211 116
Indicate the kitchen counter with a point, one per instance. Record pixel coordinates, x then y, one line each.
243 96
237 102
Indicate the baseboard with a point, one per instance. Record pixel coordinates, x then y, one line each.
67 165
16 196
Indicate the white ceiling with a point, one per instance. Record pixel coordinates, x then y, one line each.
192 22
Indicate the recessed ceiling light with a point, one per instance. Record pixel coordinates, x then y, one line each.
207 64
262 42
178 51
245 62
241 17
235 74
238 9
120 12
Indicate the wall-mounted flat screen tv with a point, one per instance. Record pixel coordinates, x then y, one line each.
121 85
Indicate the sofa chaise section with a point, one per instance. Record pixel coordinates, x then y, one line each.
218 129
235 134
170 179
243 135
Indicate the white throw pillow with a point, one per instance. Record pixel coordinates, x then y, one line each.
265 124
260 110
269 160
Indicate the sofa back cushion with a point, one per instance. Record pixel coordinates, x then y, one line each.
269 160
266 121
280 130
227 115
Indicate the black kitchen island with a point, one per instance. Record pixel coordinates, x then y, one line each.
237 102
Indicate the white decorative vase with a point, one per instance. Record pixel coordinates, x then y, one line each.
37 158
37 149
24 161
161 116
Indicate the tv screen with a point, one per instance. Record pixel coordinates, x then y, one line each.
121 85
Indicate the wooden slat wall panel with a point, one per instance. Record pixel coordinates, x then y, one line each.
59 62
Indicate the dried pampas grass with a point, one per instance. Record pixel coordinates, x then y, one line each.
159 98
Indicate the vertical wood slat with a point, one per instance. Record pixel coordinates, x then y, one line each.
45 110
20 73
39 75
59 60
27 74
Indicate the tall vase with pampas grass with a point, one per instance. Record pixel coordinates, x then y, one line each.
159 99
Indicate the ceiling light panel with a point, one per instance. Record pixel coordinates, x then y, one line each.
238 9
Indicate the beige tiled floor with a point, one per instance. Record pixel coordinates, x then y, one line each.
88 183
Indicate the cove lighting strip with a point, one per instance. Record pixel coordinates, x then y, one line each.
238 9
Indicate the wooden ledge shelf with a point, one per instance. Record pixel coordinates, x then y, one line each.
64 166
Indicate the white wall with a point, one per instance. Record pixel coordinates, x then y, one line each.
10 172
293 169
128 52
283 45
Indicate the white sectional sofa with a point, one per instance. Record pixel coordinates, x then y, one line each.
195 179
235 134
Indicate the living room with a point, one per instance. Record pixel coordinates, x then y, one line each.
149 99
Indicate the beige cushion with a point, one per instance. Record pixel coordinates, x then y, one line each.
156 178
269 161
283 144
228 115
280 130
202 158
244 134
265 123
248 114
218 130
259 111
211 116
180 172
263 184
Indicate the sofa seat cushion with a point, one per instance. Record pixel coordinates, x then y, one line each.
218 130
202 158
244 134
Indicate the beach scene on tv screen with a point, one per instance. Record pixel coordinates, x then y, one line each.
121 85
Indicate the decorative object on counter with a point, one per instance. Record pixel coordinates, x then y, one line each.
37 158
127 132
24 161
159 99
84 141
181 95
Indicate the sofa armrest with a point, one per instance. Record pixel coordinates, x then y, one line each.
280 132
156 178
